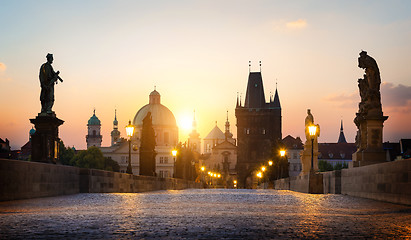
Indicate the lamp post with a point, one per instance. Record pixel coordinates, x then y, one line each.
312 130
282 154
174 153
130 133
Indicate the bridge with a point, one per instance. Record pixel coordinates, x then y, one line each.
67 202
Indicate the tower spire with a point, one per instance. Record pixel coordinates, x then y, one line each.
341 138
236 105
260 66
249 66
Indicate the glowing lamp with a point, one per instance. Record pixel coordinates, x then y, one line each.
312 130
174 152
130 129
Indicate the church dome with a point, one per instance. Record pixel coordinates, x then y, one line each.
160 114
32 131
94 120
216 133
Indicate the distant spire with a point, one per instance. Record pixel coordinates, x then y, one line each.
236 105
260 66
227 115
216 123
227 128
94 111
240 99
249 66
115 114
194 121
341 138
154 87
271 97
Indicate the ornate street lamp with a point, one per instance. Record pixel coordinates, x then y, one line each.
130 133
270 163
312 130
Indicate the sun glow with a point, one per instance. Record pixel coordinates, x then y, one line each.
185 122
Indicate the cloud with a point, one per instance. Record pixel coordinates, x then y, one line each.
2 67
395 96
343 100
3 77
300 23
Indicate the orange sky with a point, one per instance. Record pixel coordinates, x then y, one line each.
112 54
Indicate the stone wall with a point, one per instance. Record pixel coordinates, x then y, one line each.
390 181
98 181
332 182
305 183
22 180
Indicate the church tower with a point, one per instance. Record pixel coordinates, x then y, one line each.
341 138
194 140
258 127
94 138
115 134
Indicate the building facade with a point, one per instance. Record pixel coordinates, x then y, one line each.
294 148
166 132
258 128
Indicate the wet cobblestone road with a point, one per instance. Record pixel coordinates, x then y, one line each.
204 214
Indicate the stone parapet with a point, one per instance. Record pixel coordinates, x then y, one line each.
24 180
390 181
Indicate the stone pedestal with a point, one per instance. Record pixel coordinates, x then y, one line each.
45 141
370 149
306 157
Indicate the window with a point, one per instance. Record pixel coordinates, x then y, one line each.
263 131
248 131
165 159
94 132
294 155
161 160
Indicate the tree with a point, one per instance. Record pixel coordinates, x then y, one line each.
324 166
147 148
66 154
111 165
90 158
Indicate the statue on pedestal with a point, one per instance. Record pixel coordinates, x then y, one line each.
369 119
306 155
47 79
45 141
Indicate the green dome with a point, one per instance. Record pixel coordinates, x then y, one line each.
32 131
94 120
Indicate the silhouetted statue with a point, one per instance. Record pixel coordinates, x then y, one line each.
369 86
47 79
369 119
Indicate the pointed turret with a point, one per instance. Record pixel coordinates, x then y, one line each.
276 101
254 97
237 105
341 138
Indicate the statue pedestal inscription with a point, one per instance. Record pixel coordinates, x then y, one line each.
45 141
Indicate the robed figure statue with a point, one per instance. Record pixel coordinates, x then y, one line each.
47 79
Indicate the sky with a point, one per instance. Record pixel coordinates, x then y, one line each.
111 54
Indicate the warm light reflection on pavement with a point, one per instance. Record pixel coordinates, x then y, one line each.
204 214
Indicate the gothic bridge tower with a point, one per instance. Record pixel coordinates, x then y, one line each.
258 128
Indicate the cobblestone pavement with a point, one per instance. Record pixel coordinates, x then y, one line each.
204 214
